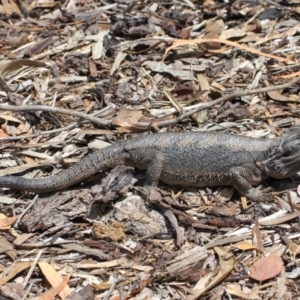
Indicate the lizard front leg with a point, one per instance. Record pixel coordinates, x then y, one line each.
243 180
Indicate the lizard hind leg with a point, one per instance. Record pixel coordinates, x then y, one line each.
154 170
152 160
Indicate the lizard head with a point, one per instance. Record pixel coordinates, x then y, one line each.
284 159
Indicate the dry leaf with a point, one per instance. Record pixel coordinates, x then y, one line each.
39 46
266 267
294 248
54 278
275 95
4 245
13 66
214 29
177 43
129 115
93 68
245 245
204 84
175 69
57 290
10 118
125 118
6 222
15 269
15 41
18 64
3 134
101 286
227 261
235 290
10 7
278 219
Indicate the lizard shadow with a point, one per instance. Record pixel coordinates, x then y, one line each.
283 185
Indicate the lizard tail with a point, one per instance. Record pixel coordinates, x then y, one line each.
108 157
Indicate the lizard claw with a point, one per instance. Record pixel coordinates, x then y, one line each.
149 193
144 192
259 194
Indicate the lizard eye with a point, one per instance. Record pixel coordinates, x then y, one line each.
286 153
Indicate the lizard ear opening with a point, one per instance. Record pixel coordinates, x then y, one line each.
289 137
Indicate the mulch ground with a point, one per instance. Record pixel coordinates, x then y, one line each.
76 76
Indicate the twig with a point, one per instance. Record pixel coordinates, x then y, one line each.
32 268
29 136
25 211
145 125
56 110
215 102
171 217
115 281
28 291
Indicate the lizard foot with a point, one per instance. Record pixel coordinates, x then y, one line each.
259 194
150 193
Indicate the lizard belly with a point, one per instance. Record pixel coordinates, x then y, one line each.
200 179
